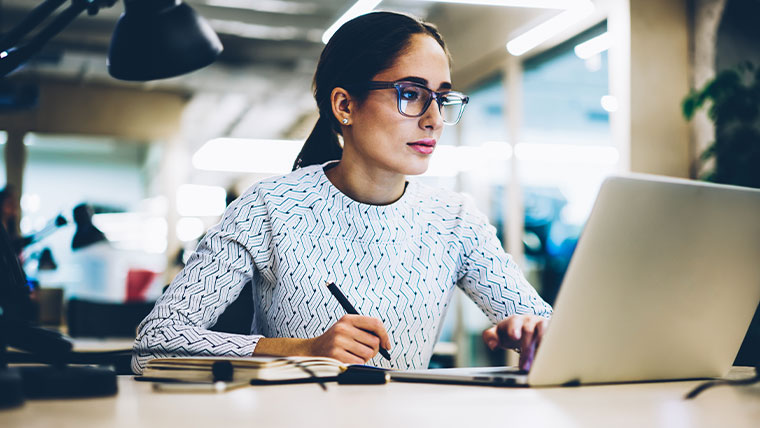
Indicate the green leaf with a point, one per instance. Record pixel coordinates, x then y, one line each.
687 106
708 152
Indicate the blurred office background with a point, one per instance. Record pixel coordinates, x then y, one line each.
563 94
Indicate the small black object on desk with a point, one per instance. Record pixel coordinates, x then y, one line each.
363 375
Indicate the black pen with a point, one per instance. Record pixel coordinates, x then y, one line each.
349 308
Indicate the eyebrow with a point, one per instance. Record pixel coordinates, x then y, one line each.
421 81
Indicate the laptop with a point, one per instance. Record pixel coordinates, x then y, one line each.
662 286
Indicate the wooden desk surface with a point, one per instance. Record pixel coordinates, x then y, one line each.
397 405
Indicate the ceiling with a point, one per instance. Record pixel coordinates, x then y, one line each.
260 86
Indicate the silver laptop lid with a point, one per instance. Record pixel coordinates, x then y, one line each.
662 285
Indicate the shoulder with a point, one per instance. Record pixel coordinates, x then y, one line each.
300 181
442 203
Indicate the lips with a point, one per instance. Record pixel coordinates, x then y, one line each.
424 146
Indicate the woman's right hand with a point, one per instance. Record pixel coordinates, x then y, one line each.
354 339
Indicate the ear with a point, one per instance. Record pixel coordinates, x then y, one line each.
342 105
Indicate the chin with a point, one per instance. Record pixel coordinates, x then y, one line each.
416 168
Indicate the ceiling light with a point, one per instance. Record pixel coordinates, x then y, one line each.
593 46
273 6
359 8
257 31
549 28
538 4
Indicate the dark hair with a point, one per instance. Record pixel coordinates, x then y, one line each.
360 49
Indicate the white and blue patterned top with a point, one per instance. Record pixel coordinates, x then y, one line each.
290 234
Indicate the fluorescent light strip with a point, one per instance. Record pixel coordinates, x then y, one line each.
359 8
248 155
273 6
593 46
256 31
537 4
548 29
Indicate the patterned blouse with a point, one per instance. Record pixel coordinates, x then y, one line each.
288 235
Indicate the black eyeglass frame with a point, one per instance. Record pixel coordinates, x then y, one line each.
434 95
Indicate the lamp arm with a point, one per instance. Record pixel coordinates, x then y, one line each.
13 57
37 15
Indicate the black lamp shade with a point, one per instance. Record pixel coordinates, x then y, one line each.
156 39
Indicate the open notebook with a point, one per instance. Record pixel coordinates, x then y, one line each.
259 369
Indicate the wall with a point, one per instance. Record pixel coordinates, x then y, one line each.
659 79
92 109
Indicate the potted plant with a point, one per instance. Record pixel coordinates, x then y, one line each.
735 110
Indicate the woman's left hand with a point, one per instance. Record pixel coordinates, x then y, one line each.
522 333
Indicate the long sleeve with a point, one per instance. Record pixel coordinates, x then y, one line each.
212 279
490 276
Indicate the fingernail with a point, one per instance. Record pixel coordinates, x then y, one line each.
492 344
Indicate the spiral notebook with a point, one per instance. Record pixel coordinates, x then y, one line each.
258 369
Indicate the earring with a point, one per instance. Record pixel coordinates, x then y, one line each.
345 121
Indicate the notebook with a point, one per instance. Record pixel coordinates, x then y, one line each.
662 285
262 369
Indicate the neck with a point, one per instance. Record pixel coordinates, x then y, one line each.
368 186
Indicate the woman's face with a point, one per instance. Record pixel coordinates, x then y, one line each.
381 138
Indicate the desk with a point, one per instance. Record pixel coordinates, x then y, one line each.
398 405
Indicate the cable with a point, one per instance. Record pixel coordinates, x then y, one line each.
733 382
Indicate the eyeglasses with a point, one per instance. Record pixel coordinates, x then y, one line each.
414 100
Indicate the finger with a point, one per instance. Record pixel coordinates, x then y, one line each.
360 350
346 343
491 338
526 339
510 331
529 348
349 358
526 357
366 338
530 354
374 326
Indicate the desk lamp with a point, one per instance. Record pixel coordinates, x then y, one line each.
153 39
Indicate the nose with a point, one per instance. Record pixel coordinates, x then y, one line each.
432 118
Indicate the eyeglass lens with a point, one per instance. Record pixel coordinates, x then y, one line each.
414 101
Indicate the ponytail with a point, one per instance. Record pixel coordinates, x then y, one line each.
321 146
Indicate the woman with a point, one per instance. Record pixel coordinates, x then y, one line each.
348 215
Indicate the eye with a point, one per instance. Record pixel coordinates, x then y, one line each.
411 94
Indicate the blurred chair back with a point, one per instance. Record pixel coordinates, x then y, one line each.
138 282
96 319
